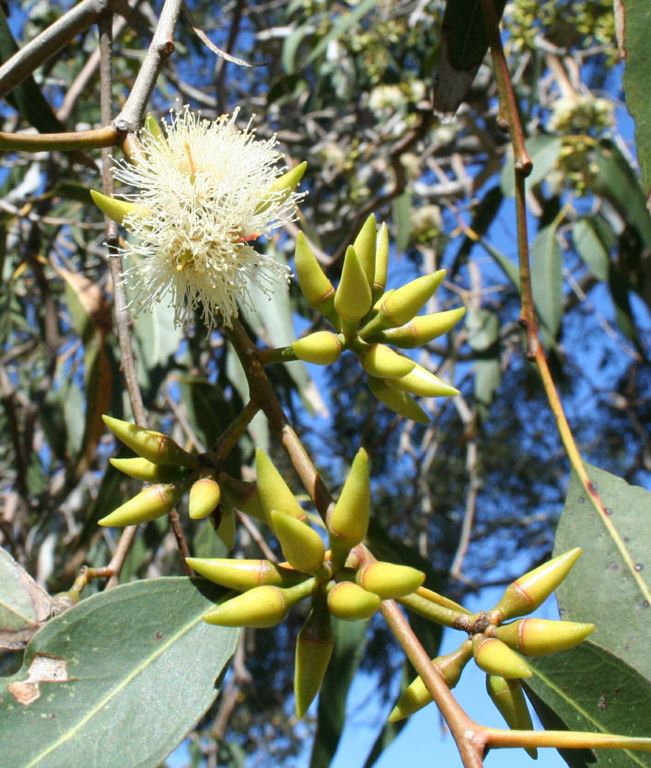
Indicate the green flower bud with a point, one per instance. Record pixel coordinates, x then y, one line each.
242 495
416 695
152 127
301 545
350 602
525 594
364 246
421 329
273 491
282 187
509 699
400 402
244 574
260 607
142 469
153 446
381 262
313 651
315 286
496 658
152 502
348 521
353 295
321 348
402 304
536 637
205 495
421 382
116 209
382 362
389 580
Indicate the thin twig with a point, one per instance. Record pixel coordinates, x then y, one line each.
161 48
528 317
107 136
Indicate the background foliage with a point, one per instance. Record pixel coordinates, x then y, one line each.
347 87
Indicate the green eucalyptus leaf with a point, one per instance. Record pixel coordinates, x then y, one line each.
118 680
589 689
613 572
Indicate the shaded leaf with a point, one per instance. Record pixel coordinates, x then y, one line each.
591 246
117 680
614 569
401 212
636 25
547 279
331 713
464 44
483 336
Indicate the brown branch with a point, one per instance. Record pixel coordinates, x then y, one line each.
107 136
50 41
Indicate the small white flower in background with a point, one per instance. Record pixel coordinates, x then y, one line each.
206 190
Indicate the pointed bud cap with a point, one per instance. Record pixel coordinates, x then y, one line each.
353 294
260 607
422 329
416 696
313 651
528 592
321 348
142 469
350 602
205 495
389 580
302 546
496 658
315 286
290 179
536 637
400 402
421 382
382 362
115 209
244 574
381 262
153 446
348 521
509 699
364 246
273 491
152 127
405 302
152 502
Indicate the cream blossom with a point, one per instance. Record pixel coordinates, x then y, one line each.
205 191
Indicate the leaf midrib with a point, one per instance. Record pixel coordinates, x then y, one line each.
114 691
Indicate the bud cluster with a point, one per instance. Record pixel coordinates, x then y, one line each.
169 471
367 319
498 648
333 578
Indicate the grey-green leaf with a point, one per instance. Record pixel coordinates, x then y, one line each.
118 680
592 690
609 586
23 604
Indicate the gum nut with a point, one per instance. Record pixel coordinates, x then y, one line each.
260 607
509 699
364 246
382 362
273 491
152 502
143 469
381 261
537 637
301 545
422 329
389 580
496 658
153 446
113 208
400 402
315 286
350 602
409 299
313 651
421 382
321 347
244 574
205 495
353 294
350 515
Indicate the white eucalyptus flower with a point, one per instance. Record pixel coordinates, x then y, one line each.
206 189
